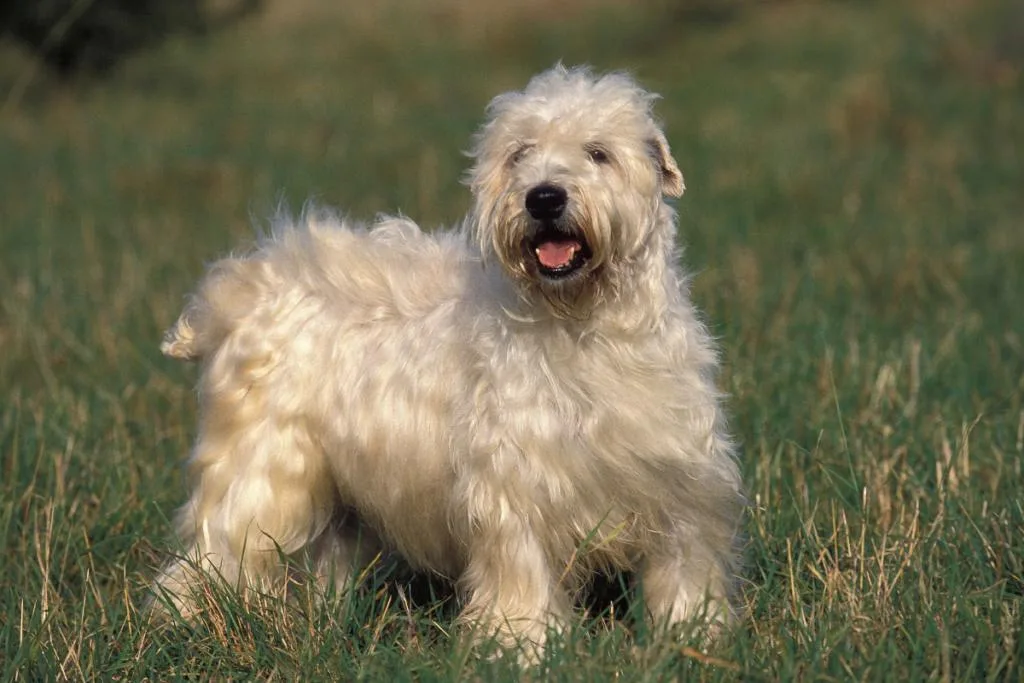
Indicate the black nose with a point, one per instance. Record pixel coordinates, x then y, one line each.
546 202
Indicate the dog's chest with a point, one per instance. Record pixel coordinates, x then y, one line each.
594 433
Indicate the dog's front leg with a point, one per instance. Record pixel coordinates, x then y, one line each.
688 577
511 591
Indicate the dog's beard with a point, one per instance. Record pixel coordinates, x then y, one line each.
557 263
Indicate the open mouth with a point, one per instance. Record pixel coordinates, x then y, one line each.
559 253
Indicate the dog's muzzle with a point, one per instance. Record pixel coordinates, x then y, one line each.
557 247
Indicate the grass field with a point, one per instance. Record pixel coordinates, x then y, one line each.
855 217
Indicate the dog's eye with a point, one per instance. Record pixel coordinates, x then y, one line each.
598 154
518 155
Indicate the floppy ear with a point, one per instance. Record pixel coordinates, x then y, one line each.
671 177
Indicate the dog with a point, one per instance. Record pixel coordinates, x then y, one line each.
519 404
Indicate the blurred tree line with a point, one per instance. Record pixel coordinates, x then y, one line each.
91 36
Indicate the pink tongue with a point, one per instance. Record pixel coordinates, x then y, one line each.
557 254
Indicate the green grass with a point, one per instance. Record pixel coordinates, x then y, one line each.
855 216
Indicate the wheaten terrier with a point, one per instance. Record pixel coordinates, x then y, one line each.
517 404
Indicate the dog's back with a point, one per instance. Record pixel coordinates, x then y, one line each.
378 261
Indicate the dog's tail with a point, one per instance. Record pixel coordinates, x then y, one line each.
181 341
228 294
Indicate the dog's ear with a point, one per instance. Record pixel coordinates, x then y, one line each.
671 177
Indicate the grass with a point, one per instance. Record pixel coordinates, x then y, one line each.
855 217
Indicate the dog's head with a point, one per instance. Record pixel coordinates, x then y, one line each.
569 181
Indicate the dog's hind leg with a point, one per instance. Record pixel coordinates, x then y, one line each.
262 490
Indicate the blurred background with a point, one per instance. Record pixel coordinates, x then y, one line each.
854 215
